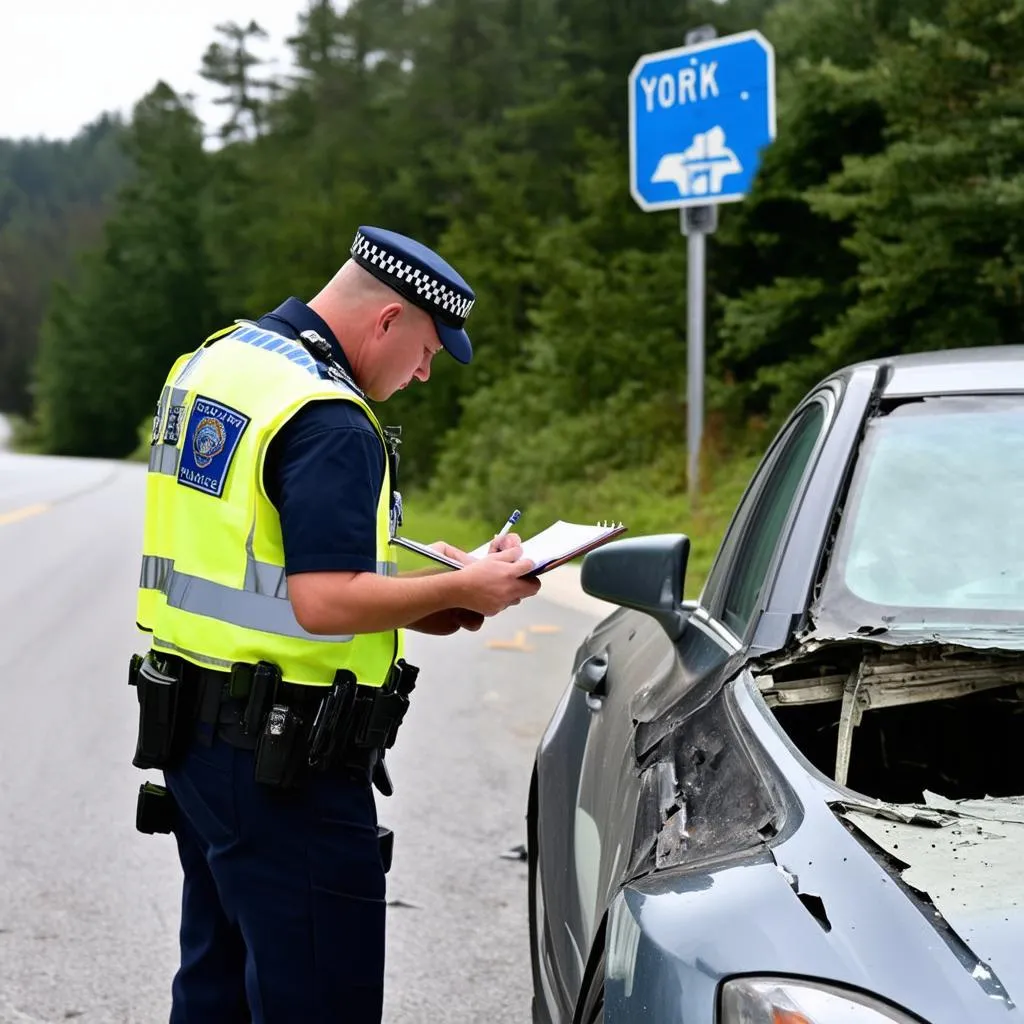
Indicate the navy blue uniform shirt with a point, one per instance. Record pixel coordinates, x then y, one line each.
324 470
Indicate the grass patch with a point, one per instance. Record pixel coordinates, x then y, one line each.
145 439
648 499
26 436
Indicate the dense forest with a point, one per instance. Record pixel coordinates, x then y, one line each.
54 198
888 217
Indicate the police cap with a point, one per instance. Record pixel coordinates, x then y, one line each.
421 276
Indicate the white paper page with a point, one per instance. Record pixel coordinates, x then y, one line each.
558 539
480 551
553 542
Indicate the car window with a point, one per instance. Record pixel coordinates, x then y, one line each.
771 504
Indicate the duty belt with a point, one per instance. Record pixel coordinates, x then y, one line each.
294 729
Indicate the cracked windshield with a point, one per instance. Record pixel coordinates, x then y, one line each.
928 526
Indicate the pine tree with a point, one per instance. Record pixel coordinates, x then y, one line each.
54 197
936 217
780 266
140 301
230 64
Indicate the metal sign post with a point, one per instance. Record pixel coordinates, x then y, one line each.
697 223
700 117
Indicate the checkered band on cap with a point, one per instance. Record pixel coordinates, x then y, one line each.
429 290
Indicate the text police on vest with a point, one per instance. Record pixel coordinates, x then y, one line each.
670 90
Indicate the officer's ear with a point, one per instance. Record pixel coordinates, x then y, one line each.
387 317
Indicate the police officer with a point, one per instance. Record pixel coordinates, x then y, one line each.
276 678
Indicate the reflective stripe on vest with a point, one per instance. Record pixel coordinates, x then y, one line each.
163 458
197 656
261 604
264 612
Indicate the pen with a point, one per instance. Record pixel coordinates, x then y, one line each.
512 520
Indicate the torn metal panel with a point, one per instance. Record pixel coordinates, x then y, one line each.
849 719
938 811
907 814
970 870
1009 809
885 678
982 638
700 796
673 840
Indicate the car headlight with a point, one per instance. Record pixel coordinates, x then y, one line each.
781 1001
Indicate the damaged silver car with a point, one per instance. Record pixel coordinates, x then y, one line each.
798 799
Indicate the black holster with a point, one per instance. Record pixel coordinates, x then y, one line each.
165 711
376 723
354 725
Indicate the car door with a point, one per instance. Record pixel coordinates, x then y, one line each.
589 785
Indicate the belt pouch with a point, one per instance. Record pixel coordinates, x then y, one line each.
280 748
265 680
156 810
159 696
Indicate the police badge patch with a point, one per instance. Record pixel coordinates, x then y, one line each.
211 438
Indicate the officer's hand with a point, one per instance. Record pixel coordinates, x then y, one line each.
449 621
450 551
492 584
468 619
506 543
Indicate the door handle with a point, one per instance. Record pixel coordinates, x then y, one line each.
591 676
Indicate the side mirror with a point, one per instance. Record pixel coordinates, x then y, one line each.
645 573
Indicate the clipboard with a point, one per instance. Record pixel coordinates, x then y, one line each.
558 544
425 551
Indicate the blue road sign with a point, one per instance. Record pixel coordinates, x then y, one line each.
700 117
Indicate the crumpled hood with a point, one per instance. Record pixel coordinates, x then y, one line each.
967 858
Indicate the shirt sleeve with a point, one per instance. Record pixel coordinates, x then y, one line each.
323 473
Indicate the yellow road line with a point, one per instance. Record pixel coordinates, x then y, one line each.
21 513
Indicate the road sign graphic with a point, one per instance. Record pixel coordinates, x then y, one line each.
701 169
700 118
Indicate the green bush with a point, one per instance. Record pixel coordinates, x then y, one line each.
648 498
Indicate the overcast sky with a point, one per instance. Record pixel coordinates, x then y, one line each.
64 62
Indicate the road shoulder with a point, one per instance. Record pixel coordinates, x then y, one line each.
562 586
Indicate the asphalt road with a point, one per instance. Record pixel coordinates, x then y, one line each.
88 906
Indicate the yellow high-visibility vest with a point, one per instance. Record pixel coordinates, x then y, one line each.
213 588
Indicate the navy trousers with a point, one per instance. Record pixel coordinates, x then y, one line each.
283 901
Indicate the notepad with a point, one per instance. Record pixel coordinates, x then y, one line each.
559 543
